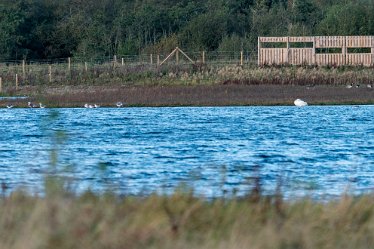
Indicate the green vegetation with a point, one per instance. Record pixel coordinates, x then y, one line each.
48 29
184 221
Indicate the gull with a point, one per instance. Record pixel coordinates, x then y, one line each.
349 86
9 106
31 105
85 105
41 105
369 86
96 106
119 104
299 102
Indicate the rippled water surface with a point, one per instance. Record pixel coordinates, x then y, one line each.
315 151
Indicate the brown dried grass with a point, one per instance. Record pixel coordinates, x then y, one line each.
183 221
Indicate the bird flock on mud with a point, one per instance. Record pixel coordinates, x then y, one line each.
40 105
119 104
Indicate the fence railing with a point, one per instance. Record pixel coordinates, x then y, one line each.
316 50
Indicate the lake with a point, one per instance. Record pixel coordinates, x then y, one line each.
316 151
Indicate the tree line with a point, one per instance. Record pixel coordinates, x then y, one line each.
48 29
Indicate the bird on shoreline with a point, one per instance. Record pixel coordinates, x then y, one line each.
41 105
300 103
9 106
119 104
31 105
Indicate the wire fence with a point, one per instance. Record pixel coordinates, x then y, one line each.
209 58
16 73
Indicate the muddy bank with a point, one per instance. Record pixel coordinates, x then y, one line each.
208 95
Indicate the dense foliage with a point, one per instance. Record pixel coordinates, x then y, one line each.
44 29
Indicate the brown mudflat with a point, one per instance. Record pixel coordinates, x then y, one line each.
203 95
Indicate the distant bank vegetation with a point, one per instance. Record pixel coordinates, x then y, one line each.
48 29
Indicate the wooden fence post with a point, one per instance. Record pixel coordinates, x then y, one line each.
16 82
372 53
158 60
122 61
258 51
151 59
114 61
203 57
69 64
85 67
50 73
1 85
314 51
345 51
288 50
241 58
23 69
177 56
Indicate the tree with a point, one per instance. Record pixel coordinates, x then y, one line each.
354 18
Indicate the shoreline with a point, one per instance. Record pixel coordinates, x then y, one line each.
192 95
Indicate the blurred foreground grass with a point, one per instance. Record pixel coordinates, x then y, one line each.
180 220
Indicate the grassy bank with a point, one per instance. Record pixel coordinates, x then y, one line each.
194 86
184 221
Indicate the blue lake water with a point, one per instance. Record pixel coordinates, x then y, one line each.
317 151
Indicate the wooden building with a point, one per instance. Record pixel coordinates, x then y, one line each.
316 50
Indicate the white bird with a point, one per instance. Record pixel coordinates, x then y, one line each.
349 86
119 104
369 86
41 105
299 102
96 106
31 105
9 106
88 106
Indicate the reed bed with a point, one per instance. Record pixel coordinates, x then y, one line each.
151 75
182 220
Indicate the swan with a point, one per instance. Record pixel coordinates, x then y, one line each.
119 104
299 102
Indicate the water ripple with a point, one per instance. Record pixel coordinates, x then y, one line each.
318 151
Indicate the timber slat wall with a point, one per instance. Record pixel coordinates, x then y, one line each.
321 50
